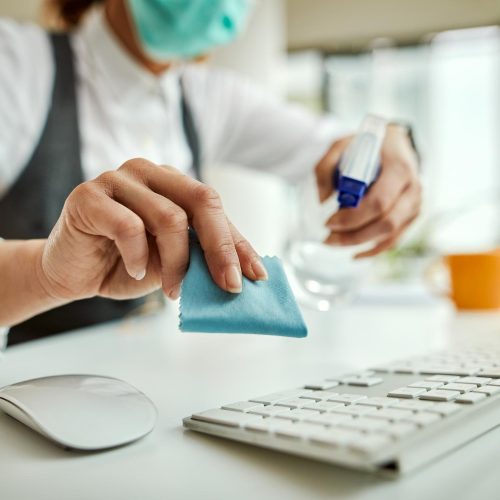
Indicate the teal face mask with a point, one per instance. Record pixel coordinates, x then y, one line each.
186 28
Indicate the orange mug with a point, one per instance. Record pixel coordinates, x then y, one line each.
475 279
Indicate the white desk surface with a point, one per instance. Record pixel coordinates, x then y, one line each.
184 373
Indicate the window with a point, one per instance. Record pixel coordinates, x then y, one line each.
449 90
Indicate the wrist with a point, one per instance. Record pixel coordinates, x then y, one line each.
41 285
25 291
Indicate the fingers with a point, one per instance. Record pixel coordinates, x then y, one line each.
385 227
379 200
101 216
384 245
391 203
168 202
205 212
251 263
164 220
378 248
398 171
326 167
211 225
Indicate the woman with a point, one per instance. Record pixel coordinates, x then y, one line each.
75 106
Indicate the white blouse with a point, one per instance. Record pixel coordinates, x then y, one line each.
125 111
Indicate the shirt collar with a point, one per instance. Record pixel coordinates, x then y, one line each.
110 59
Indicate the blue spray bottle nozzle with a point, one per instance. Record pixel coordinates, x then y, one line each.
360 164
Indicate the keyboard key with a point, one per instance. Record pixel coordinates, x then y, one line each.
449 370
363 381
442 378
322 405
391 414
378 402
347 398
455 386
440 395
266 424
319 395
406 392
293 403
355 410
490 390
297 414
427 384
366 424
494 381
444 409
300 430
400 429
474 380
269 411
269 399
353 376
329 419
370 444
322 385
414 405
381 369
422 418
242 406
225 417
261 425
471 398
336 437
404 369
492 373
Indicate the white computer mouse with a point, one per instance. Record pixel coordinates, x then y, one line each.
83 412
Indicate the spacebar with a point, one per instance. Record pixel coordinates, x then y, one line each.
225 417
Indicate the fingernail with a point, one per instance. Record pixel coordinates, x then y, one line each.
259 270
140 275
233 280
175 292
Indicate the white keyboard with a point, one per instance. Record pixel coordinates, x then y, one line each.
389 419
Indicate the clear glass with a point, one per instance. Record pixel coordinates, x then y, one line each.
321 275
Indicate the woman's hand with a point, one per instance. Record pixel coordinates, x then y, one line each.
391 204
125 234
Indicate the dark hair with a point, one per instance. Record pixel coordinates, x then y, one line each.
69 13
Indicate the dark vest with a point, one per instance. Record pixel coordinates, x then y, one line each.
33 204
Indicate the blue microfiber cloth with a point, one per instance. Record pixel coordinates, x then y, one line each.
263 307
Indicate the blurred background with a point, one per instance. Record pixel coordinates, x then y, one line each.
433 64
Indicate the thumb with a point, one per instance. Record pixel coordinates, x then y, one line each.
326 167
